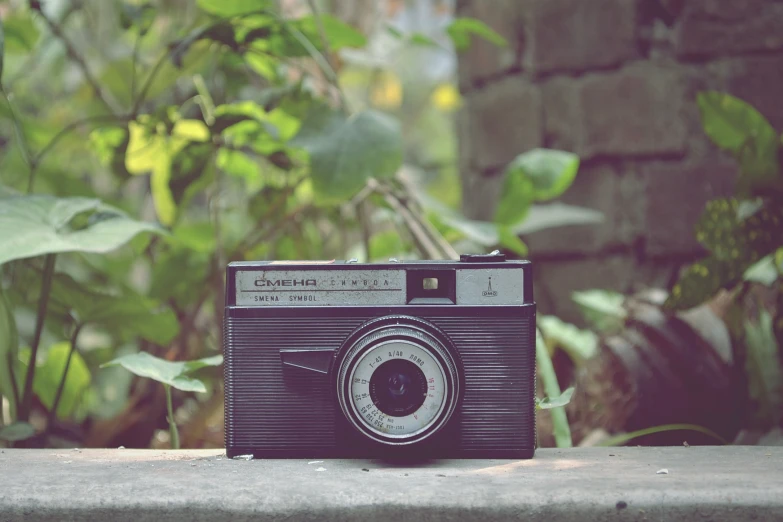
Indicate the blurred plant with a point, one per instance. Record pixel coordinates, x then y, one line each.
179 375
745 237
228 129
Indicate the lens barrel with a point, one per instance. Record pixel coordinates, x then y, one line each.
399 380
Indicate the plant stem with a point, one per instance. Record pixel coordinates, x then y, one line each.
172 425
560 428
322 59
57 31
61 386
205 100
621 439
43 304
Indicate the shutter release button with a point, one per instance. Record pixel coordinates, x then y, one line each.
492 257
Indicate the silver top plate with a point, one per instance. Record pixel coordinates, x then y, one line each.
320 287
275 288
490 286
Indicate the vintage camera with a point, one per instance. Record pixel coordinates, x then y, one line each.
428 359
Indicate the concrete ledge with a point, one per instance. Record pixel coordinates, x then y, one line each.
703 483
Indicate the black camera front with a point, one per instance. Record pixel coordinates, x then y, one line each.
421 359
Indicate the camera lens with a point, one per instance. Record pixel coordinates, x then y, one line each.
398 387
398 380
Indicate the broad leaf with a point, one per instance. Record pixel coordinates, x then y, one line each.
516 198
36 225
551 171
536 175
554 215
730 122
728 237
174 374
764 272
49 373
765 379
2 48
232 7
508 239
17 431
152 150
346 152
9 341
736 244
579 344
602 308
734 125
547 403
702 280
462 29
20 32
339 34
481 232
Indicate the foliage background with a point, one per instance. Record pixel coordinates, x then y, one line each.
143 145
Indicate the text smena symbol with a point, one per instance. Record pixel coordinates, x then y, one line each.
489 292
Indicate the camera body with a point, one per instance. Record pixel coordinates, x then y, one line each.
333 359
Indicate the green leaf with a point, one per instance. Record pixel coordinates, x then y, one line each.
728 237
462 29
9 342
35 225
551 171
346 152
153 150
702 280
516 197
763 367
547 403
579 344
736 244
199 237
536 175
481 232
17 431
737 127
21 34
229 8
619 440
49 373
510 240
764 272
174 374
730 122
602 308
553 215
2 48
339 33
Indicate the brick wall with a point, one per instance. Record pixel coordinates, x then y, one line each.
614 81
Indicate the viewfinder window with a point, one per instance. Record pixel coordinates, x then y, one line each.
430 283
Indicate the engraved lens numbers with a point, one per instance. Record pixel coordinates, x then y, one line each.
417 421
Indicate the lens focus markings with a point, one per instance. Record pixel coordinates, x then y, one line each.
410 424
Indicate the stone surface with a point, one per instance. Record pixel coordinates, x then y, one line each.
506 120
618 197
637 111
483 59
580 484
710 28
683 190
759 81
575 35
